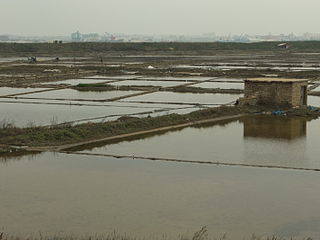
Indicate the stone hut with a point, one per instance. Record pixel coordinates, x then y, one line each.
275 91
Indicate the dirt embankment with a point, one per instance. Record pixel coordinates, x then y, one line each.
181 89
57 136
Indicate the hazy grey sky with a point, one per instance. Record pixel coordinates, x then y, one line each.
61 17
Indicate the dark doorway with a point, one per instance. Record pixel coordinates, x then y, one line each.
303 96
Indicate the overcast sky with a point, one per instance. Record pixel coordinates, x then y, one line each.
61 17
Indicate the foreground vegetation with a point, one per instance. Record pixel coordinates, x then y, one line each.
202 234
66 134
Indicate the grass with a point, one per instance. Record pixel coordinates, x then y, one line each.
67 134
202 234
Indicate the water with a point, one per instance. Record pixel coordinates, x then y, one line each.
13 59
78 195
235 67
221 85
261 140
165 111
71 94
203 98
314 101
177 78
113 77
75 82
9 91
91 103
23 114
10 59
316 89
147 83
228 80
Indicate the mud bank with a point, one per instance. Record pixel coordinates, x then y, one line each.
67 136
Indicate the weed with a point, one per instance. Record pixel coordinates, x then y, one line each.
6 124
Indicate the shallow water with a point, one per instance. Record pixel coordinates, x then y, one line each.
228 80
23 114
146 83
91 103
113 77
316 89
9 91
314 101
71 94
177 78
75 82
261 140
78 195
233 67
221 85
203 98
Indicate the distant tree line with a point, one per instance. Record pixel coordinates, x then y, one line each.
100 48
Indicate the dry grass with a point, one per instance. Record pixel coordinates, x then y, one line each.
202 234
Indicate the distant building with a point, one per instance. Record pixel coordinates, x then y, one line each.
283 45
275 91
4 38
76 37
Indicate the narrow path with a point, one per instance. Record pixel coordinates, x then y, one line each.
157 90
38 91
124 136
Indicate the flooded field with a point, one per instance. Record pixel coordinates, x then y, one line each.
30 112
74 82
123 77
238 176
94 195
316 89
24 114
227 80
249 67
10 91
147 83
261 140
314 101
71 94
204 98
221 85
177 78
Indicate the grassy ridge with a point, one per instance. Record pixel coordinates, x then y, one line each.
66 134
100 48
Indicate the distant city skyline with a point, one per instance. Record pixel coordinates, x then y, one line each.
121 37
179 17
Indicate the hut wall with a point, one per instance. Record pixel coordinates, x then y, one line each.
275 93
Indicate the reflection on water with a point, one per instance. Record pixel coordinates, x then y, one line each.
256 140
72 194
278 141
78 194
274 127
16 156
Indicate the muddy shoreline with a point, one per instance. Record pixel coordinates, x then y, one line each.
68 137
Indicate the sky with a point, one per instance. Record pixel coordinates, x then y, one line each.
188 17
